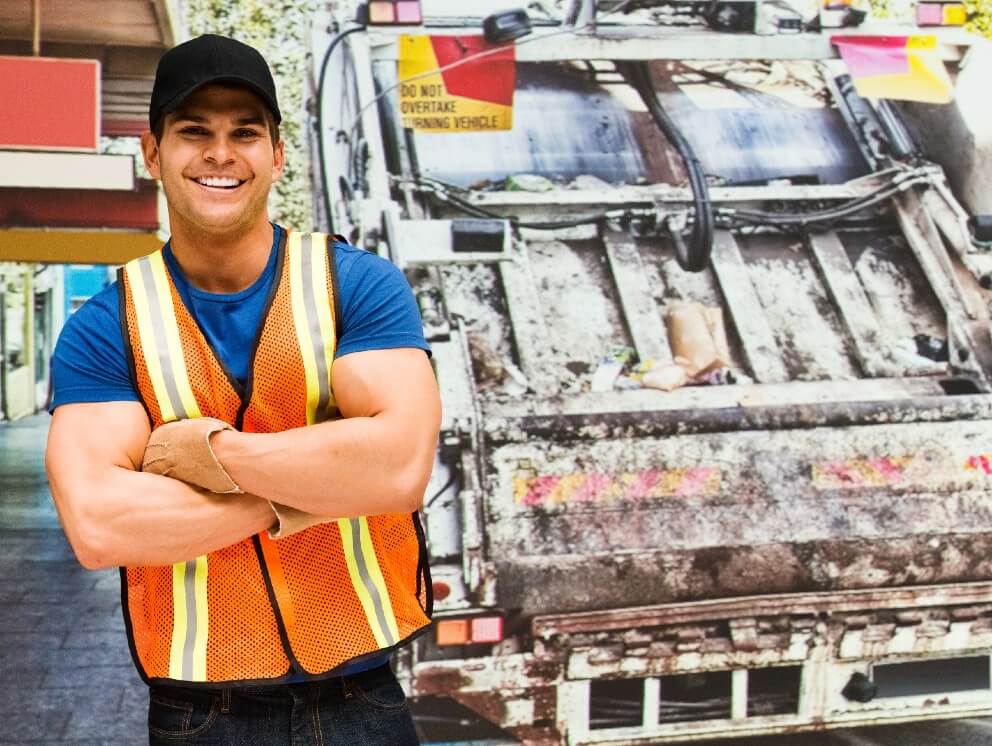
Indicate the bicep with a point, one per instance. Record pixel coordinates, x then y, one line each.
87 439
398 384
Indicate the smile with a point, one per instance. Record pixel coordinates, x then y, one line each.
219 182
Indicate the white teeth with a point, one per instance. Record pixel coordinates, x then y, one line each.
217 181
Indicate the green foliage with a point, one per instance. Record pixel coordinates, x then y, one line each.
981 16
979 11
279 30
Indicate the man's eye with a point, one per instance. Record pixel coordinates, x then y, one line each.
193 131
247 133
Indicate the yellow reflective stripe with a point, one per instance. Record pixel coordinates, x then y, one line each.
158 329
347 545
324 303
375 573
202 621
178 620
176 357
301 325
149 344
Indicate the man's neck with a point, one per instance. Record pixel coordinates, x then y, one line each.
225 263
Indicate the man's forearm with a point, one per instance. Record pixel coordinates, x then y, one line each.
343 468
131 518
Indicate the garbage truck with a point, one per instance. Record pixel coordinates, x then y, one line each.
709 312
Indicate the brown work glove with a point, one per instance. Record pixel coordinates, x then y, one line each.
292 521
181 450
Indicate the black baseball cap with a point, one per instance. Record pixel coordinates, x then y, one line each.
209 59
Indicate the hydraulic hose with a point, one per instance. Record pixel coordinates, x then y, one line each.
693 255
325 191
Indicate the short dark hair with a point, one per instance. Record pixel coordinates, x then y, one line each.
270 121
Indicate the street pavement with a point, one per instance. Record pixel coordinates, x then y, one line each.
65 672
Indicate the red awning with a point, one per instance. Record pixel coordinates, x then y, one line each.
81 208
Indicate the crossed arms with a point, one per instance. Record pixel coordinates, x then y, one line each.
376 460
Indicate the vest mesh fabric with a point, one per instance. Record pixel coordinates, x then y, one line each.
319 608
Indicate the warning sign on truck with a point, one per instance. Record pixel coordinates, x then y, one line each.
474 96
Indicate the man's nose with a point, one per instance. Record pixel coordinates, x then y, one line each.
218 150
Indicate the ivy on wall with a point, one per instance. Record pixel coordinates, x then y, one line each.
979 13
280 30
981 16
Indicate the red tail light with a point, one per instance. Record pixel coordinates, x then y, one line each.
441 590
487 629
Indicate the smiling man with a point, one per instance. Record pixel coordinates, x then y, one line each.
245 424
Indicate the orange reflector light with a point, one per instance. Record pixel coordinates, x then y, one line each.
471 630
395 13
451 632
487 629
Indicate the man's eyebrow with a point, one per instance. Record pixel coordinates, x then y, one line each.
181 116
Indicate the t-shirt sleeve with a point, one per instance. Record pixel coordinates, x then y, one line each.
89 363
378 310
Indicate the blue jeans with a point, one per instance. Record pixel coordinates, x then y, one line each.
366 708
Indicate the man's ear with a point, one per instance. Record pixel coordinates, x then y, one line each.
150 152
278 159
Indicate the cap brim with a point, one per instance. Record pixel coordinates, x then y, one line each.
176 102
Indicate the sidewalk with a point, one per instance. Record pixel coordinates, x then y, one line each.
65 671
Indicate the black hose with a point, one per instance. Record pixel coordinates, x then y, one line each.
480 212
430 501
320 122
694 255
840 211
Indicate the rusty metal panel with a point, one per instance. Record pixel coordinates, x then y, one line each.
617 522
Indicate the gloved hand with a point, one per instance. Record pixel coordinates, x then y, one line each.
181 450
291 521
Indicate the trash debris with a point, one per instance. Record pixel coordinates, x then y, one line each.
518 377
716 377
667 377
697 334
528 183
932 348
587 181
907 353
626 383
722 377
610 367
638 371
606 375
670 376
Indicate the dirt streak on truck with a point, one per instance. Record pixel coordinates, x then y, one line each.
801 537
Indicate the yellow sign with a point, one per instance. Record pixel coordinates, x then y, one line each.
440 93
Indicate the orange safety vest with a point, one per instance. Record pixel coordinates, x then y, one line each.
262 609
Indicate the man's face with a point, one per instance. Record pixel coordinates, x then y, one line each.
216 160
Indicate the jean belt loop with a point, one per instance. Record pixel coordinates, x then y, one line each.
225 701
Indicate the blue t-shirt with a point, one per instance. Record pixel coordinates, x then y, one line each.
378 311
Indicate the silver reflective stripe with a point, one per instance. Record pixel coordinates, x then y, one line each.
161 341
363 571
189 581
313 321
